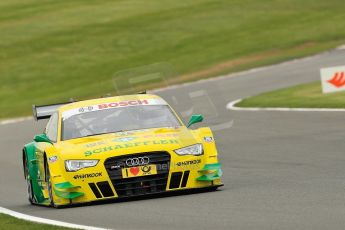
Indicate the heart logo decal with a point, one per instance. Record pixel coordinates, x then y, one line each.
134 171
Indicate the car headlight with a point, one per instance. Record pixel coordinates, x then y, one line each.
195 150
75 165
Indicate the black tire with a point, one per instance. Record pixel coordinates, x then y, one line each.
49 184
30 191
212 189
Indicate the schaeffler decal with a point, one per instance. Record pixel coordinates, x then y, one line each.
185 163
208 139
89 175
130 145
52 159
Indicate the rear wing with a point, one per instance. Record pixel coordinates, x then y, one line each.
45 111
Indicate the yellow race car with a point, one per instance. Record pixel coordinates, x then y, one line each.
116 147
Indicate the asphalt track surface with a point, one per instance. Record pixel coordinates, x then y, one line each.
282 170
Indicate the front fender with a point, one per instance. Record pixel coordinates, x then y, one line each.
33 168
205 136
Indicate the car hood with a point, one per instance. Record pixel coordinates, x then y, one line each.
115 144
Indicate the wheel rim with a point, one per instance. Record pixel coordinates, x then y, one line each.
31 196
49 185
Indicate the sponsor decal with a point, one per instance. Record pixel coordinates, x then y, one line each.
149 136
333 79
123 104
85 109
134 170
208 139
123 165
186 163
52 159
124 139
167 135
130 145
88 175
145 170
338 79
67 114
113 167
94 144
128 133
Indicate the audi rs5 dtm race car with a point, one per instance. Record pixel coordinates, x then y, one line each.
116 147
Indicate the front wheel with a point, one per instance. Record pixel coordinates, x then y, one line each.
49 185
31 196
30 191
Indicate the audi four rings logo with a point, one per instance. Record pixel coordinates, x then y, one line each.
136 161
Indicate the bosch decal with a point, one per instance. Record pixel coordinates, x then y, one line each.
91 108
123 104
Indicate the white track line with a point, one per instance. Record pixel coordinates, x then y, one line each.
39 219
46 221
232 106
14 120
341 47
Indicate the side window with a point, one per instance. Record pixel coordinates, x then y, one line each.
52 127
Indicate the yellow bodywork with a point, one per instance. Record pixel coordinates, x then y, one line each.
102 147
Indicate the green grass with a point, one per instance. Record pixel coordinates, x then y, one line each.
11 223
301 96
53 50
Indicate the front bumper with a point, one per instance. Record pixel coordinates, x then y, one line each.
152 195
193 172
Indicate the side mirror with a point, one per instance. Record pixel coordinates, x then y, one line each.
42 138
196 118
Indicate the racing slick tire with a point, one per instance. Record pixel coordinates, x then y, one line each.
49 184
30 191
31 196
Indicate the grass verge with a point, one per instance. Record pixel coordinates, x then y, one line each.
11 223
55 50
301 96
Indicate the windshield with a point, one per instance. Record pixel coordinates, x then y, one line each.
118 119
